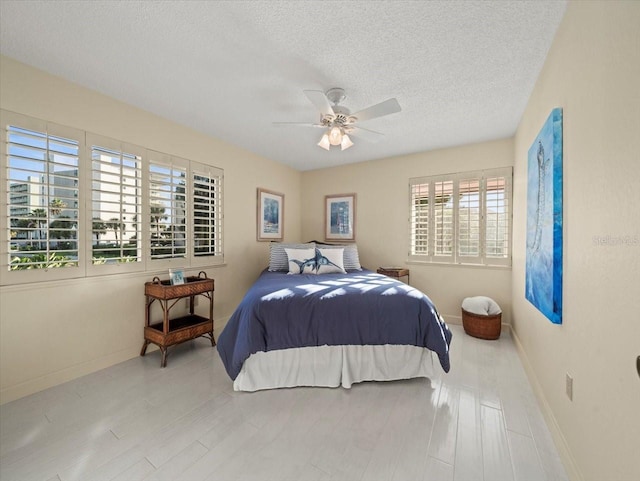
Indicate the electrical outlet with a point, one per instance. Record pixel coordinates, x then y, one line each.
569 387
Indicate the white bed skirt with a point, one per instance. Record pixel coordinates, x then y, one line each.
332 366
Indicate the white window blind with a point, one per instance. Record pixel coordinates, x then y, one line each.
461 218
116 204
497 217
443 219
469 218
111 207
167 207
43 198
207 211
419 235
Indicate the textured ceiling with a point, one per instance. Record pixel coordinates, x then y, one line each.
461 70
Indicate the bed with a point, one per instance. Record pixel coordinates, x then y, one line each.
326 328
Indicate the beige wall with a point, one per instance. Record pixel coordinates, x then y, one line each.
52 332
382 211
593 73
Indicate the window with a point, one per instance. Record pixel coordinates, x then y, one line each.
111 207
116 205
167 207
469 218
181 230
207 211
40 223
461 218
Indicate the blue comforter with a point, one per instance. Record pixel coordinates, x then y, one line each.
283 311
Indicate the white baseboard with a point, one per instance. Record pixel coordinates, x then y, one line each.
52 379
556 433
218 325
457 320
70 373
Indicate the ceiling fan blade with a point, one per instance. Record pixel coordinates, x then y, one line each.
298 124
387 107
320 100
366 134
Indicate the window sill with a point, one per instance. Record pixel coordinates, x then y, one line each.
448 264
96 278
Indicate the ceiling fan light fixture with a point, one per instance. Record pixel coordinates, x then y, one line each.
335 135
337 120
324 142
346 142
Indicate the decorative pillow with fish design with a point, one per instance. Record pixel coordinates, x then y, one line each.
301 261
329 261
278 257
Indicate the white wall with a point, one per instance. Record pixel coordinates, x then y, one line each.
382 211
53 332
593 73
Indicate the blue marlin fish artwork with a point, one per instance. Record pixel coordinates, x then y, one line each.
315 262
543 165
543 280
305 263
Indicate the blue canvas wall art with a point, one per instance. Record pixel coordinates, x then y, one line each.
543 285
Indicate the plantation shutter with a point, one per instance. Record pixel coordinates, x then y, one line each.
116 204
77 204
498 219
419 219
462 218
207 216
42 194
468 202
443 231
167 207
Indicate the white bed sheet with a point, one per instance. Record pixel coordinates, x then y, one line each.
332 366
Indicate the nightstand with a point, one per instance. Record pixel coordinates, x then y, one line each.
395 272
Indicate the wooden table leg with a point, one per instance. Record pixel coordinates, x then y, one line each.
143 351
163 361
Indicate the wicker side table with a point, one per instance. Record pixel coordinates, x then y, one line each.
170 331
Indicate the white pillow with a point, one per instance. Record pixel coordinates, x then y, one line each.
351 257
482 306
278 257
301 261
329 261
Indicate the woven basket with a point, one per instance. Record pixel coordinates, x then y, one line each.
482 327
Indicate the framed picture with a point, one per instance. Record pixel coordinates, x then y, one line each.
543 270
176 276
270 215
340 217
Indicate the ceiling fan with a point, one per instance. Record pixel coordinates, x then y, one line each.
339 122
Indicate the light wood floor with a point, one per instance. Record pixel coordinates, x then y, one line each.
135 421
